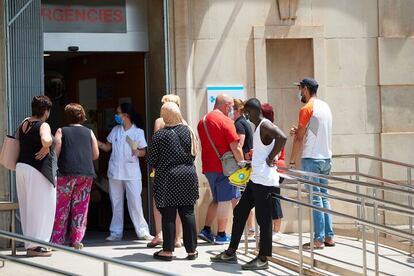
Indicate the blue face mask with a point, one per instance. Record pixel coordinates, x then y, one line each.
118 119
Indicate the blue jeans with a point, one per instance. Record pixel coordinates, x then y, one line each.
322 222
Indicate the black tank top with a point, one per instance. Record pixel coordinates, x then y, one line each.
76 153
30 144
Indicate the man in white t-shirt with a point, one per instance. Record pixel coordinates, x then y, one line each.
314 133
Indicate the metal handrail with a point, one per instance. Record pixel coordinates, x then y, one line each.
399 208
384 228
377 178
298 176
297 173
106 260
408 167
364 222
370 157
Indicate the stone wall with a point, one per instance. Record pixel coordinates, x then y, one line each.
365 68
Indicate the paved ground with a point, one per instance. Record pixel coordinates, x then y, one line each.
346 254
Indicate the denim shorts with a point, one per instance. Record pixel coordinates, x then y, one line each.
220 187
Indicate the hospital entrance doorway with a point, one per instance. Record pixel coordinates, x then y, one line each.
99 82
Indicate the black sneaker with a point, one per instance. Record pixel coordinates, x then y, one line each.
255 264
224 258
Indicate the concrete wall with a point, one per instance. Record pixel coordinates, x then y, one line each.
364 64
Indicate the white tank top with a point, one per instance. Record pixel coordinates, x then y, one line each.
261 173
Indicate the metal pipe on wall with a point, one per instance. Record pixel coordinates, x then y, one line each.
167 56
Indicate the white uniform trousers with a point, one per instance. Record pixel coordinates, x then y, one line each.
37 203
133 190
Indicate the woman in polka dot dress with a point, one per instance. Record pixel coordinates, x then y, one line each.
172 154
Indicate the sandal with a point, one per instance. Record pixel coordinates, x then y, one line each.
39 252
329 243
307 246
78 246
193 256
154 243
162 257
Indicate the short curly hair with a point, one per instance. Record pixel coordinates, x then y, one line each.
74 113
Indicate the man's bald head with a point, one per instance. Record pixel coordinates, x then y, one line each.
223 103
222 99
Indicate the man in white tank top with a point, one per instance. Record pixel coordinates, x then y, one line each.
314 133
268 140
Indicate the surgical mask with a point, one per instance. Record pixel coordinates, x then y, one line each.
231 113
299 96
118 119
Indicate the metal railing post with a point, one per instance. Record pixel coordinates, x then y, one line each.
376 256
357 190
312 255
364 239
300 229
105 269
13 229
410 203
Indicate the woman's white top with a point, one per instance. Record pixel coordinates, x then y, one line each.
122 164
261 173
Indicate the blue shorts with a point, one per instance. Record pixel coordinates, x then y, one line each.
221 188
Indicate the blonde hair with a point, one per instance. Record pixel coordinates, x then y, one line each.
238 104
171 98
170 113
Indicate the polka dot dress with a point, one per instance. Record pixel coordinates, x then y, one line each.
176 181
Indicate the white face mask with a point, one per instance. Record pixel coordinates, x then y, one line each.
299 96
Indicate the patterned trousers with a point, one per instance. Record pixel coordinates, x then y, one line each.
73 194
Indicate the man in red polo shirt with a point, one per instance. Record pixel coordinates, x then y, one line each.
223 133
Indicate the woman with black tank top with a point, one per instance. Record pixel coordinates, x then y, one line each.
35 192
76 147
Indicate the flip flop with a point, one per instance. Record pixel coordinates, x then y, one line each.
154 243
192 257
307 246
161 257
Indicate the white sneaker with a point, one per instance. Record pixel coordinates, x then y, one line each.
146 237
276 236
113 237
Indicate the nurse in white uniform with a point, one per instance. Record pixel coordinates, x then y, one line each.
127 143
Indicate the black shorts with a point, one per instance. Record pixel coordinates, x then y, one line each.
277 212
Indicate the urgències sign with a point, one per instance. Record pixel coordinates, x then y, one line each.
84 16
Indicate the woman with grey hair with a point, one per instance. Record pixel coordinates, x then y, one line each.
172 154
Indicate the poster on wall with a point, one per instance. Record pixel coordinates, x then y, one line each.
235 91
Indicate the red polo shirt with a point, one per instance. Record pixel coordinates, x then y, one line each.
223 132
